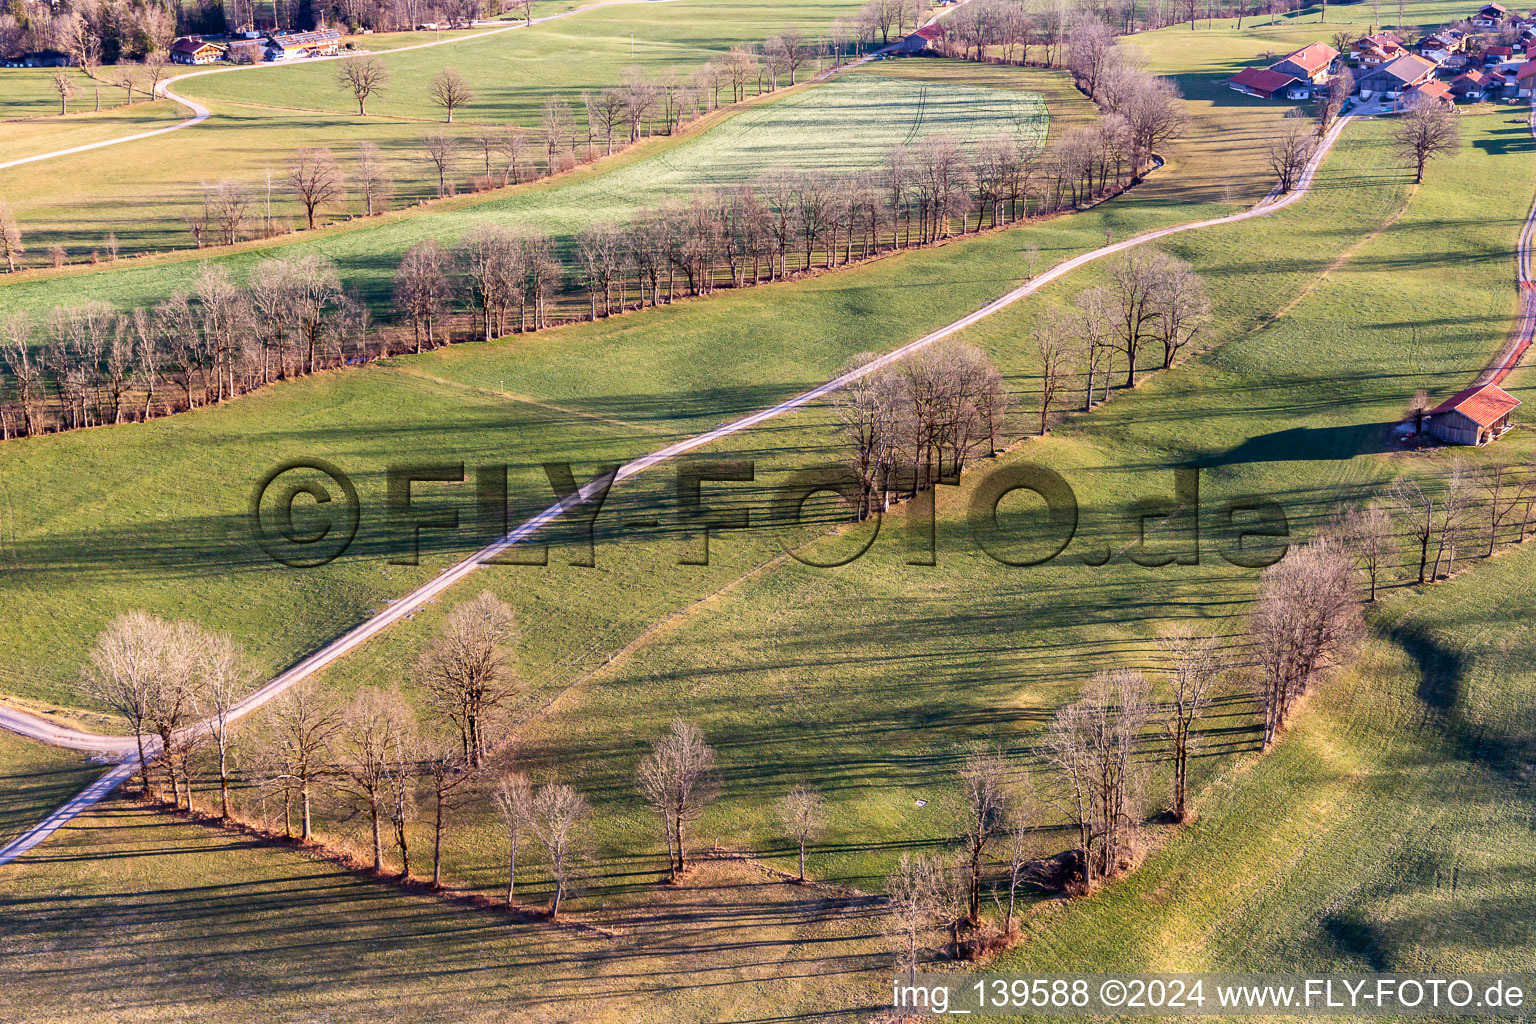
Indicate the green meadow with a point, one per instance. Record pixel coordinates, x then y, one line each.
1388 831
844 125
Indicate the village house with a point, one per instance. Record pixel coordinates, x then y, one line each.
1475 416
1310 63
1491 16
196 50
1390 80
1264 83
1432 91
1375 50
1472 86
325 42
1525 80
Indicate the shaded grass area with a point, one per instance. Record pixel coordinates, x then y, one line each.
1388 832
872 681
215 925
35 780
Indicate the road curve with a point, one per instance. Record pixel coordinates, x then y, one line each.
41 729
201 113
1525 329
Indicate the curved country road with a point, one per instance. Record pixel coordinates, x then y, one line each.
201 113
30 725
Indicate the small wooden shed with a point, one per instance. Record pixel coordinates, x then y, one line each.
1473 417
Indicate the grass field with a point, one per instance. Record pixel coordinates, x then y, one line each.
39 779
842 125
873 680
46 134
514 72
216 926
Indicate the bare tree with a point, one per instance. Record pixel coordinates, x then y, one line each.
467 672
513 797
1425 132
372 178
1050 331
450 91
1017 835
679 780
1306 620
370 725
1289 151
26 371
423 290
1194 666
315 176
450 768
1418 408
305 725
1417 509
1091 742
803 816
1372 538
401 772
10 237
985 802
559 815
126 663
65 88
1455 513
441 148
1331 103
914 891
223 675
1503 491
363 78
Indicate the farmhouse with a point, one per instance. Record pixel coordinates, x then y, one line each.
1432 91
1491 16
196 50
1476 416
1375 50
1390 80
1264 83
1525 79
1471 86
323 42
1310 63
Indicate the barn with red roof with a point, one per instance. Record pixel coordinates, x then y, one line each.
1473 417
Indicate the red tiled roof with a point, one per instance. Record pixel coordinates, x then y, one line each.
930 33
1436 90
1262 79
1526 70
1484 405
1313 58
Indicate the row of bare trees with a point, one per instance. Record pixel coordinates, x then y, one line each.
89 364
911 424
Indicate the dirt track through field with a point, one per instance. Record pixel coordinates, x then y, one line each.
407 605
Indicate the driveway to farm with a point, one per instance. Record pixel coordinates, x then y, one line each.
201 113
30 725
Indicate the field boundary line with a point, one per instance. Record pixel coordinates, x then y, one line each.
453 574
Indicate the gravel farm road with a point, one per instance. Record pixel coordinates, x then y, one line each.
123 747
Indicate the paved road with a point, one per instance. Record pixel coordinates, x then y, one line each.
201 113
1525 330
30 725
